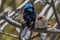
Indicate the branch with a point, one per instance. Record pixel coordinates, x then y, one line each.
12 21
48 2
35 35
16 11
10 35
54 9
51 31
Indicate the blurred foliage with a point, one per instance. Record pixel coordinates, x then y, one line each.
7 38
52 21
5 5
38 7
58 9
12 3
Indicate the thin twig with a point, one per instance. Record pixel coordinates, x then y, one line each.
9 35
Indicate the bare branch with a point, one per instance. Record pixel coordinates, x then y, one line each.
11 21
10 35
